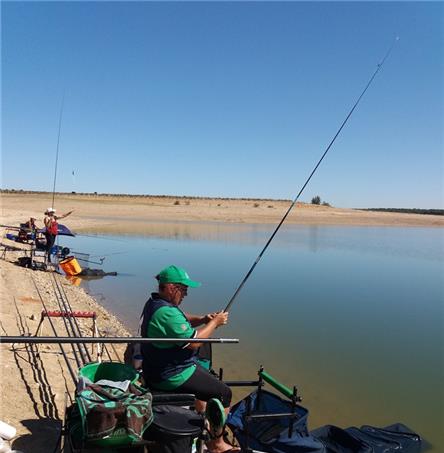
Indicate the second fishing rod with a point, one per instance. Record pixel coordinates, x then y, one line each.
293 204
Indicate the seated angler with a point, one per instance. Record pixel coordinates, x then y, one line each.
175 367
27 230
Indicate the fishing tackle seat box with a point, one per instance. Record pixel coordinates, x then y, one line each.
172 430
120 438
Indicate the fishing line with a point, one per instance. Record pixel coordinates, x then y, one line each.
57 150
100 237
378 68
108 254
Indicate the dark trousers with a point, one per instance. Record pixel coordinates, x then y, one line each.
206 386
50 241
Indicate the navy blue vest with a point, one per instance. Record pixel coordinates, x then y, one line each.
160 364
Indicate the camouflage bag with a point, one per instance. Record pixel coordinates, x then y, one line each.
107 412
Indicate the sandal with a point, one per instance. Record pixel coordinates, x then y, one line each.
216 417
215 414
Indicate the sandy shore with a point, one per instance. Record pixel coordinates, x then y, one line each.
112 214
35 384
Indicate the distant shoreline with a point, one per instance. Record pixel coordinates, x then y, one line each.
129 195
96 195
406 210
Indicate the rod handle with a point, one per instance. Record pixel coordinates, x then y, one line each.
275 384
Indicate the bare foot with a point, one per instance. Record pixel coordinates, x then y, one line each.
220 446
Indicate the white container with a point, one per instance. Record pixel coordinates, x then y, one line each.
4 447
7 431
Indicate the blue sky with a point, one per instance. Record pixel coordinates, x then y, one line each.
235 99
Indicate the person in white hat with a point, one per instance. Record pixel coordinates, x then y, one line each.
51 227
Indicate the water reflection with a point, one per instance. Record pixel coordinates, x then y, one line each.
313 242
359 239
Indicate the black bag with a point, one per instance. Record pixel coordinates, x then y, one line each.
24 261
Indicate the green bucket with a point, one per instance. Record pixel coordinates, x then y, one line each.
113 371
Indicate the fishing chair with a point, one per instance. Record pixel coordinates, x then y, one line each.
38 259
10 234
26 235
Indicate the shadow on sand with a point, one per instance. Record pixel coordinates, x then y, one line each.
43 437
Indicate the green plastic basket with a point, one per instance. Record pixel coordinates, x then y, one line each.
113 371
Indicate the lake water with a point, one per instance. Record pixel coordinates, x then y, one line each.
353 316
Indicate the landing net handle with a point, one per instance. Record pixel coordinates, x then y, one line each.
111 340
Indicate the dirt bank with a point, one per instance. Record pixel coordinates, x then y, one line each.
35 381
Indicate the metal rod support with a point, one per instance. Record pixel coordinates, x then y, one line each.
241 383
271 416
110 340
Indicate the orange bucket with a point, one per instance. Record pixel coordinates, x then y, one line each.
70 266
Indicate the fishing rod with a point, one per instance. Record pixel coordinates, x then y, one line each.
10 227
57 150
105 348
65 306
68 364
88 261
378 68
76 352
110 340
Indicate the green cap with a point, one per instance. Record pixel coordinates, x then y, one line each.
174 274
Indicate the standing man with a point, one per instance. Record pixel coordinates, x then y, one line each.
51 226
175 367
